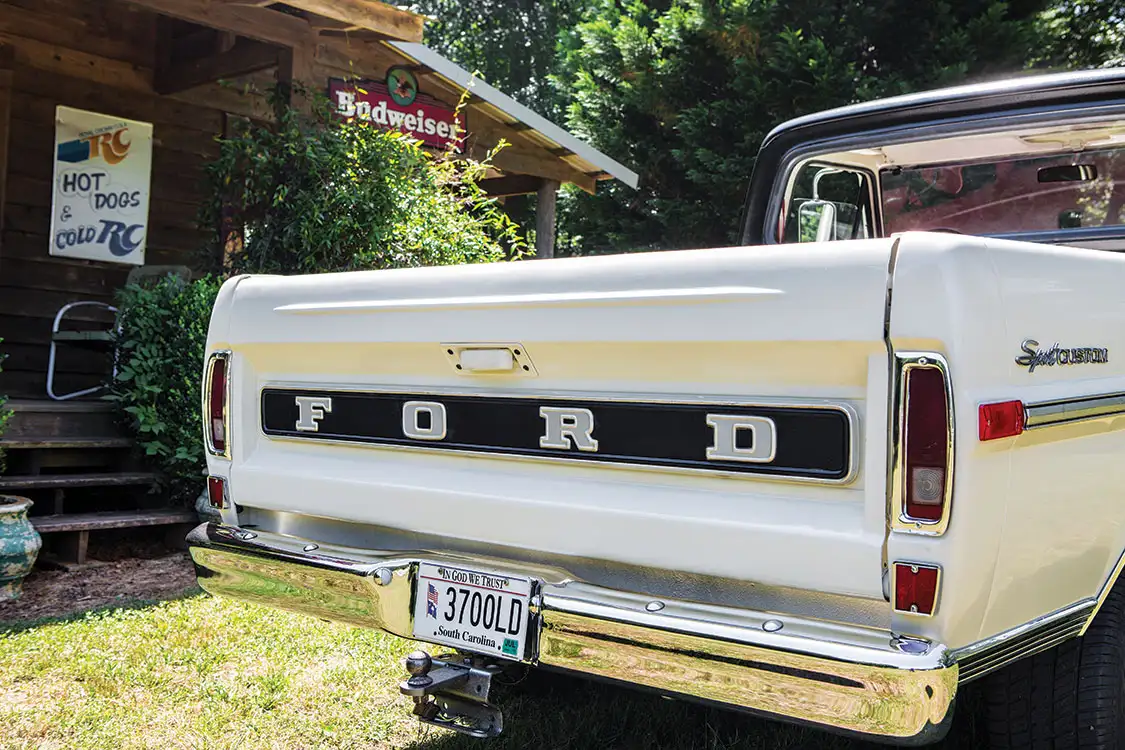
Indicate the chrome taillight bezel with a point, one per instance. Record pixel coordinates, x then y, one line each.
208 372
904 364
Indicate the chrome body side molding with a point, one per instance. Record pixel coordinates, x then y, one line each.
1104 592
990 654
845 678
1067 411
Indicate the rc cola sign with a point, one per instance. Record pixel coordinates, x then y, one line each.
103 167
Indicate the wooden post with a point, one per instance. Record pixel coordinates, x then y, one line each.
295 66
7 66
545 219
229 228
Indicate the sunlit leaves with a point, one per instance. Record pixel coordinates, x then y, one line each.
317 194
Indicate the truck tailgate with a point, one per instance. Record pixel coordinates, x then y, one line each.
702 411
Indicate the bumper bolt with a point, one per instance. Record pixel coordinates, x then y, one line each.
772 626
654 606
383 578
311 547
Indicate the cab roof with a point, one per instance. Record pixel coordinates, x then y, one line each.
1020 93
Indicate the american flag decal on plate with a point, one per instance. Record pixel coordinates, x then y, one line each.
431 601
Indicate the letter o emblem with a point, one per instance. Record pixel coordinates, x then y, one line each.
423 420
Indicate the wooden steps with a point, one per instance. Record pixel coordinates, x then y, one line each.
55 443
74 461
72 481
73 529
112 519
43 418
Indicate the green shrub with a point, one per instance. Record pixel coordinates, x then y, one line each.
5 413
313 194
161 343
306 195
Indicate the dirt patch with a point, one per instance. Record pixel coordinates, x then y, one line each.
56 593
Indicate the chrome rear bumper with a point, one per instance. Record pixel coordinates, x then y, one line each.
839 677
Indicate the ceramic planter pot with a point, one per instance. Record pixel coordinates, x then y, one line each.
19 544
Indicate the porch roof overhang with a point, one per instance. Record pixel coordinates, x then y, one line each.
578 154
364 36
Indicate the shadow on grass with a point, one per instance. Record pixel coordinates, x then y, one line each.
560 712
11 627
548 710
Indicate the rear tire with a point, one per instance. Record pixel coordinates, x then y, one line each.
1071 697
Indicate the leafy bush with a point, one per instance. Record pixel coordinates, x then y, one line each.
302 195
313 194
161 342
5 414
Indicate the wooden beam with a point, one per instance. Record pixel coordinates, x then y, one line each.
528 162
545 219
387 20
70 62
523 155
247 20
515 184
246 56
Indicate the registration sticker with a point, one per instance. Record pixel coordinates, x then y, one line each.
477 611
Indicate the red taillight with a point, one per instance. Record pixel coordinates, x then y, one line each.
217 404
926 441
916 588
1002 420
216 492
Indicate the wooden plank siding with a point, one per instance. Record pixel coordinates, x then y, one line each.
96 56
100 55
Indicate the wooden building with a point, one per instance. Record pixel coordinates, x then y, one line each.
188 67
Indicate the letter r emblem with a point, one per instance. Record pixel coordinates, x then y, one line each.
568 428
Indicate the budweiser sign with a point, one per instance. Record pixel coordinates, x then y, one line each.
397 105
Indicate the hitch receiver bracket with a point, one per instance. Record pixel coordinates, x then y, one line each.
451 691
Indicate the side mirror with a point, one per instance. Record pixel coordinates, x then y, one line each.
817 221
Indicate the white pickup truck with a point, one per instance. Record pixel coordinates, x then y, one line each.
824 481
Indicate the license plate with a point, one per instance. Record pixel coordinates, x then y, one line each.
485 613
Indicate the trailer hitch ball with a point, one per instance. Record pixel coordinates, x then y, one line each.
418 665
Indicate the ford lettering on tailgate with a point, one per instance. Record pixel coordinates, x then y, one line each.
783 441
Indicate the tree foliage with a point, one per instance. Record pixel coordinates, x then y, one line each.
685 91
316 194
1083 34
509 43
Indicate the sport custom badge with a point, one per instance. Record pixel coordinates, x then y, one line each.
1034 357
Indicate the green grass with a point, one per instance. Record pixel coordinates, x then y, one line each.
210 673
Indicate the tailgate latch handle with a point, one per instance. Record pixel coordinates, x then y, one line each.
489 359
